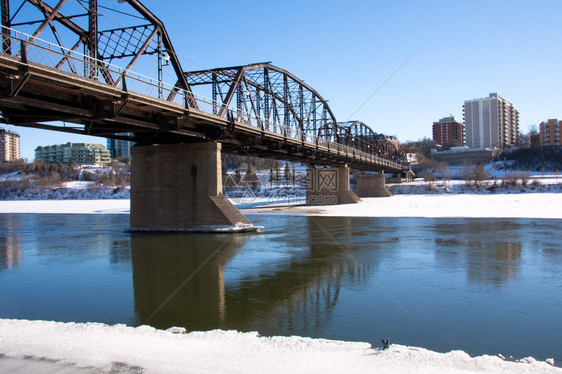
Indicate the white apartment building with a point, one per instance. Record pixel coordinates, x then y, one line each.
69 153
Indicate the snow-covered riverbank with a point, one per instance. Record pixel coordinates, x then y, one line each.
144 349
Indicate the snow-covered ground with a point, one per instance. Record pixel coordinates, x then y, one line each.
144 349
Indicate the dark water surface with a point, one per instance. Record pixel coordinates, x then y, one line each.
480 285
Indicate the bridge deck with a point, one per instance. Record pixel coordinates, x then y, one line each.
35 93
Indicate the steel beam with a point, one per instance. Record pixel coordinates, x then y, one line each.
169 48
233 87
6 23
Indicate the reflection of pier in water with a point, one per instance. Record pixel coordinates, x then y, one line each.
10 246
179 280
492 248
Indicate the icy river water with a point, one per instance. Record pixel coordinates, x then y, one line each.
485 286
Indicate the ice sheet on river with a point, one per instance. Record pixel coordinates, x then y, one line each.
144 349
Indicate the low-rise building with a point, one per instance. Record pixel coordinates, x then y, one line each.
386 141
9 145
464 155
448 131
74 153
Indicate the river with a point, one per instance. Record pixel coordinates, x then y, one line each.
485 286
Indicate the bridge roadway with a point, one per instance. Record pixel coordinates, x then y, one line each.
34 93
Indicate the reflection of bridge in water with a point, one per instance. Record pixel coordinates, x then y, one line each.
257 109
296 293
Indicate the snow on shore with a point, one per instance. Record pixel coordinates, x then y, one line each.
109 206
528 205
145 349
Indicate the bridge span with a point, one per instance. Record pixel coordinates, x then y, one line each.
58 75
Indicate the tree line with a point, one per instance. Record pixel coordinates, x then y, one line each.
48 175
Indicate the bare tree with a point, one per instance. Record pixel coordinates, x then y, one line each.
480 174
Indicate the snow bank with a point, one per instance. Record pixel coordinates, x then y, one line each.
146 349
10 176
112 206
529 205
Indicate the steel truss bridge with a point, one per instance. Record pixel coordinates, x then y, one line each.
67 65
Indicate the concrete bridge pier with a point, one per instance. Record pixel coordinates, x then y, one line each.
329 186
372 185
178 187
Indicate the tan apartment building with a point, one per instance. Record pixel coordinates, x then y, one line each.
490 122
9 145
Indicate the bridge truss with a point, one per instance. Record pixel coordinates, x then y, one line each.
125 33
68 66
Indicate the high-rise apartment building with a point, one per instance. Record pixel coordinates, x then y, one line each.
9 145
490 122
118 147
69 153
550 133
448 131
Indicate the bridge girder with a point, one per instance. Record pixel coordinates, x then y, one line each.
269 95
333 132
362 137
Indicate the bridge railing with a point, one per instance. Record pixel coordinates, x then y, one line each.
21 46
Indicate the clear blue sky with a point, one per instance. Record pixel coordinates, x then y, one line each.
346 50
